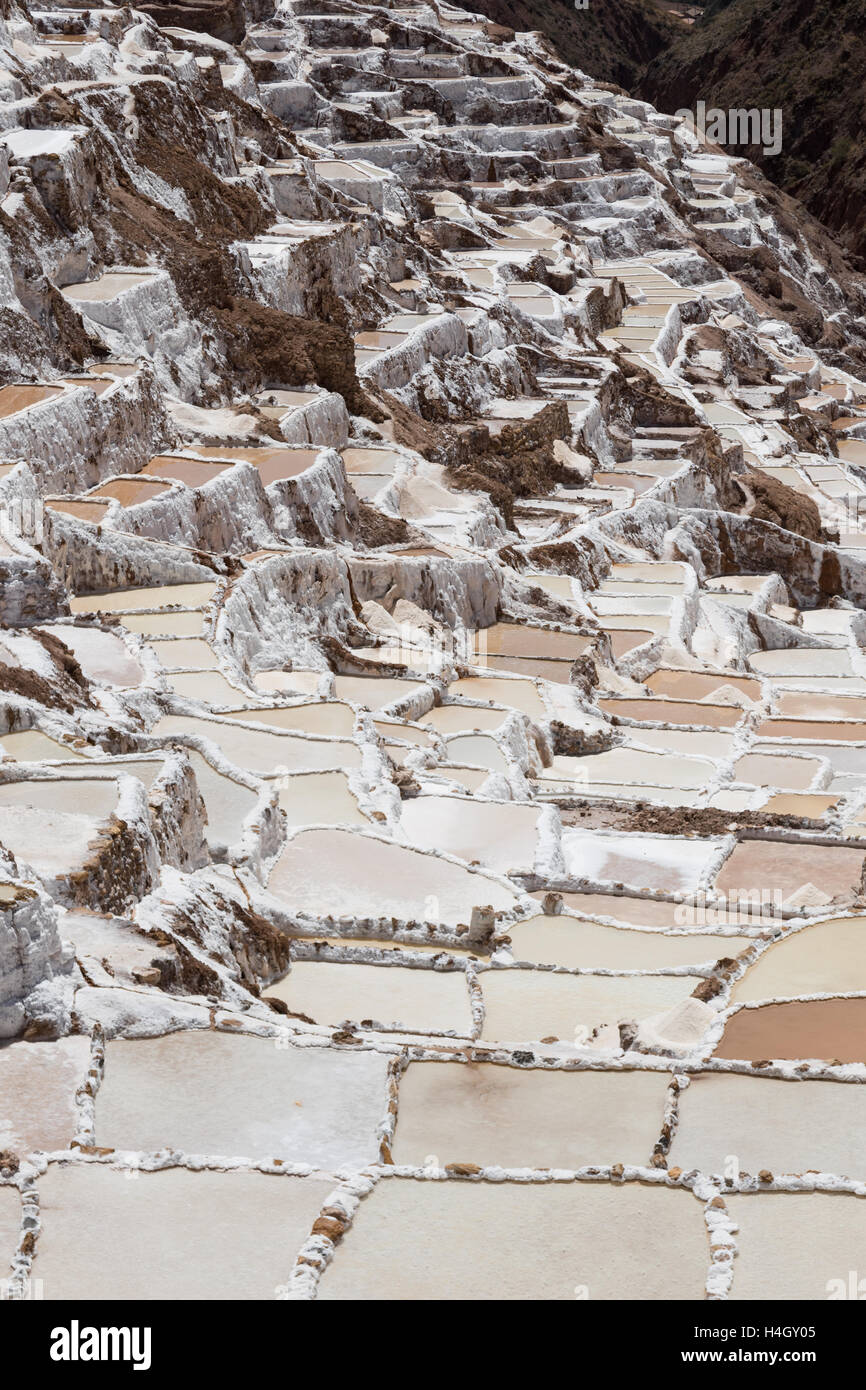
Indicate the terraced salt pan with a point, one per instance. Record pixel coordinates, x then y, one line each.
164 624
640 861
782 1126
765 769
828 958
827 1029
639 912
321 717
406 733
261 751
500 835
471 778
373 692
694 743
370 461
820 706
477 749
526 1006
672 712
802 661
337 873
288 682
205 687
15 398
516 639
419 1001
514 694
217 1093
193 472
227 803
103 656
104 287
449 719
797 1245
31 746
103 1233
38 1110
193 596
813 806
501 1116
519 1241
83 510
182 653
319 798
779 866
567 940
50 824
129 492
699 685
631 766
812 729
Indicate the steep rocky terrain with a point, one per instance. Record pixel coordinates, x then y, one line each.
432 675
807 60
614 41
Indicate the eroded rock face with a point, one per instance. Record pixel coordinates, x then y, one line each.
34 963
432 627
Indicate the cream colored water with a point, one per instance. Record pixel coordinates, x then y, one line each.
500 1240
323 717
319 798
103 656
217 1093
335 872
128 600
498 835
227 802
526 1006
780 1126
500 1116
261 751
422 1001
29 745
569 941
793 1244
828 958
108 1234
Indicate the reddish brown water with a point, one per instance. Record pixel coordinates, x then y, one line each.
812 729
695 685
637 481
129 491
189 471
821 706
84 511
674 712
829 1029
93 383
769 866
15 398
514 639
623 639
276 464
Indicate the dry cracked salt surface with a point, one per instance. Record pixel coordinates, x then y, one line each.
432 739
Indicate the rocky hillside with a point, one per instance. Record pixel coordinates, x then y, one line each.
807 59
612 41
